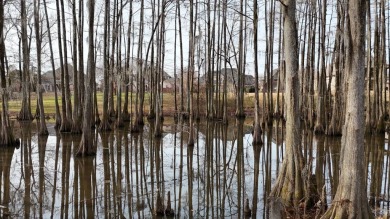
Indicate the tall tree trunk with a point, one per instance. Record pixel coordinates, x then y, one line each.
125 113
105 124
377 110
225 52
119 73
383 64
176 116
351 196
369 116
66 124
58 116
240 92
68 105
209 79
87 144
270 29
288 186
190 76
139 114
181 59
303 72
257 128
113 67
278 112
152 76
319 127
80 47
219 74
6 136
160 71
337 121
76 125
42 129
25 111
310 72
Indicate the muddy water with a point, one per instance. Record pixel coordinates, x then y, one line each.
132 174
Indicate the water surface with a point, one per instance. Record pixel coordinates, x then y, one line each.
213 179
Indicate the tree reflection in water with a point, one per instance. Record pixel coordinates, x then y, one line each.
6 155
215 178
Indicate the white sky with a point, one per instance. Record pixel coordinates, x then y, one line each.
13 25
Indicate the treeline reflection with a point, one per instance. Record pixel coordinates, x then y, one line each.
140 176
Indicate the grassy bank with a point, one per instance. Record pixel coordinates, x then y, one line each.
15 104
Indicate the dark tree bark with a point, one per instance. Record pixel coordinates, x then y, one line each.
76 125
140 94
25 111
58 116
113 67
66 124
241 66
119 73
68 97
42 129
336 123
80 74
257 128
87 144
181 110
105 124
6 136
160 71
125 114
320 125
190 75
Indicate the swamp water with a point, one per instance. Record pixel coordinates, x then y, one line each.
214 179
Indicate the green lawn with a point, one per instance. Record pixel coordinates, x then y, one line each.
49 102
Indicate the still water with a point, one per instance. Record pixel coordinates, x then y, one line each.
131 173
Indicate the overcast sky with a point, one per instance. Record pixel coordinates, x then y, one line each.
13 26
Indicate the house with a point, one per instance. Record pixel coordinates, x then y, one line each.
147 73
231 76
48 81
266 86
169 84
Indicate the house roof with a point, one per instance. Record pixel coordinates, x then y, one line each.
48 76
232 76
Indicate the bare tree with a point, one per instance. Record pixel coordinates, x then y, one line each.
241 66
320 125
68 106
160 70
42 129
66 124
58 116
351 196
288 185
87 144
190 79
257 129
6 136
336 122
139 101
80 74
25 111
105 124
125 113
76 125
